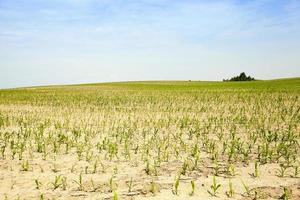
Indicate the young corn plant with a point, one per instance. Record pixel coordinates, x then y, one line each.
86 169
230 170
130 185
57 182
184 167
41 168
80 182
115 196
42 197
296 171
112 185
21 150
255 195
193 188
215 187
95 166
55 168
196 161
147 169
176 185
216 168
286 194
25 166
88 156
37 184
246 188
230 193
256 171
73 168
64 183
94 188
153 187
282 170
115 170
12 185
2 150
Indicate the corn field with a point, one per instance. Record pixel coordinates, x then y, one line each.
151 140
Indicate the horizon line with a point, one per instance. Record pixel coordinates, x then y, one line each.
137 81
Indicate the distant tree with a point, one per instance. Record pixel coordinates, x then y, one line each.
241 77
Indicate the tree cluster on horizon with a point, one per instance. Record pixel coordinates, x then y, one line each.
241 77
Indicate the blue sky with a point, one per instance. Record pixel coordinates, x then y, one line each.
76 41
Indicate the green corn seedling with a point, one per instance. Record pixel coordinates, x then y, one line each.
57 182
215 186
286 194
115 196
130 185
282 170
25 166
256 172
153 187
80 182
37 184
176 185
230 192
193 188
246 188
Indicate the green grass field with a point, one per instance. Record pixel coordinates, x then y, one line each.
151 140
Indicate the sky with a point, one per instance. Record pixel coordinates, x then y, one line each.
46 42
